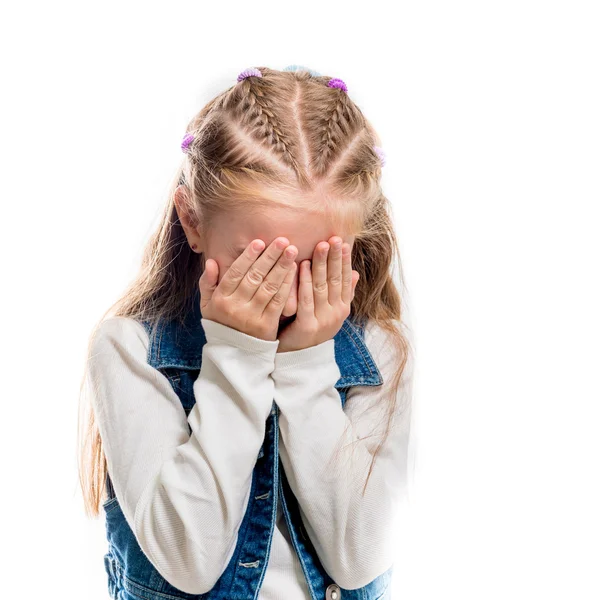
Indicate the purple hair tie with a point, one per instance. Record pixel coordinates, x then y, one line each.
337 83
380 153
188 138
251 72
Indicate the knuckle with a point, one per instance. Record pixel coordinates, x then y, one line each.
270 287
312 328
235 272
320 287
278 299
307 299
254 276
219 302
225 310
335 279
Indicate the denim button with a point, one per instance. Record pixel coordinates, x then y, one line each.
333 592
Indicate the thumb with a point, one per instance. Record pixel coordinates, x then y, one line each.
208 281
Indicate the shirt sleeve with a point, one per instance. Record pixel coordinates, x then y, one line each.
326 451
184 496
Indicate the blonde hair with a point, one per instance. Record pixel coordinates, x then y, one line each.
284 138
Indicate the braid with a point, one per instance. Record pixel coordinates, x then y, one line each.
285 116
255 108
344 119
249 102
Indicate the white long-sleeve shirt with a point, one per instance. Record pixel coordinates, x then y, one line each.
184 496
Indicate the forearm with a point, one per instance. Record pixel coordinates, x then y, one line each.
184 496
327 458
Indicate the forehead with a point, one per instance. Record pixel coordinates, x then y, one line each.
303 229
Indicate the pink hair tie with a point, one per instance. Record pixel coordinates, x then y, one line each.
380 153
251 72
337 83
188 138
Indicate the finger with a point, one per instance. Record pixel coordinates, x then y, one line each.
334 271
260 268
319 276
347 276
208 281
271 285
306 306
275 307
292 299
239 267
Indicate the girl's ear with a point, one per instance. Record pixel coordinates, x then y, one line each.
187 218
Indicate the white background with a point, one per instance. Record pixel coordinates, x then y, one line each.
488 112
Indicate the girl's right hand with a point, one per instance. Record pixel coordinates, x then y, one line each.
253 292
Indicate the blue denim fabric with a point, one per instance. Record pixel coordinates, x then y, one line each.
176 350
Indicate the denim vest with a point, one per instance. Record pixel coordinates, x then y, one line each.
175 349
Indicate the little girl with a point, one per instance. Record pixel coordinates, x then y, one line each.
250 378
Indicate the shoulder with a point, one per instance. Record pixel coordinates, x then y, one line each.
119 334
386 353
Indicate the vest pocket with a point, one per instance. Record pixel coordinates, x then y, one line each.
133 577
130 590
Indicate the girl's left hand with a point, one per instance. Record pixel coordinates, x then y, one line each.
324 297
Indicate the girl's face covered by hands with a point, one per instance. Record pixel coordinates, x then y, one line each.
230 234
